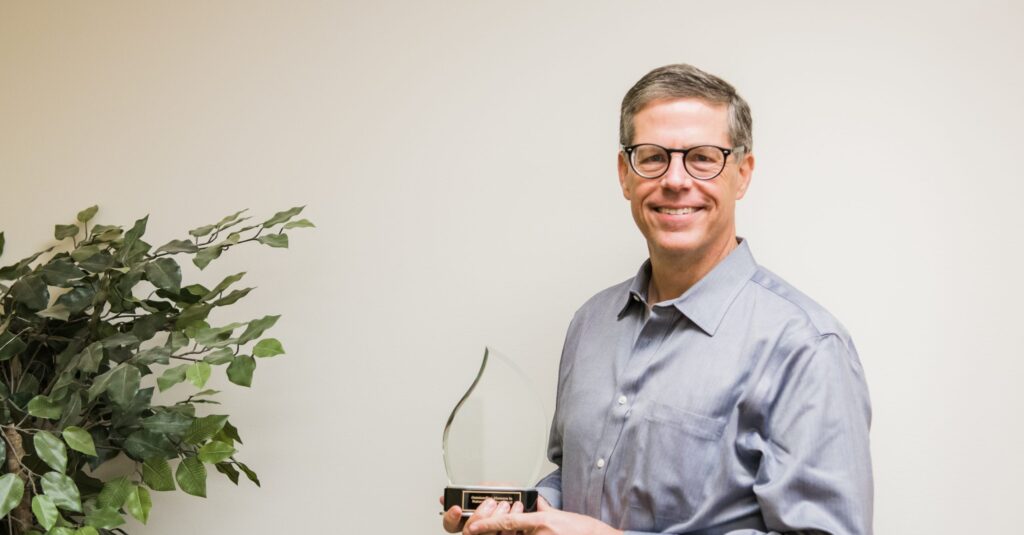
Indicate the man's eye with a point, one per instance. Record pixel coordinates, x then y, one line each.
653 158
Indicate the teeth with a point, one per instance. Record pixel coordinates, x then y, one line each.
677 211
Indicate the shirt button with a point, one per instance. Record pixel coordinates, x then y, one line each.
600 463
622 400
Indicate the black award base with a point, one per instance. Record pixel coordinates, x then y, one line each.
469 498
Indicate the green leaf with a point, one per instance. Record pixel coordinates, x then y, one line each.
204 230
207 255
92 356
99 384
228 470
139 504
192 315
268 347
154 355
51 450
191 476
249 473
45 511
281 217
84 530
156 473
104 518
215 452
168 423
223 285
256 328
209 336
171 377
146 444
176 341
302 223
120 340
72 413
12 488
178 246
78 299
63 491
134 234
10 345
97 263
274 240
240 370
86 215
44 407
59 271
62 232
32 292
21 268
198 373
233 218
79 440
84 252
106 233
204 428
165 274
232 297
124 383
115 492
231 432
220 356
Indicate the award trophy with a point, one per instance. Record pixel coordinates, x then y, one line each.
495 439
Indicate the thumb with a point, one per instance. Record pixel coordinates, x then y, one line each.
543 505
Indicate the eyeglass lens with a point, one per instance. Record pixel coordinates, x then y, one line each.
651 161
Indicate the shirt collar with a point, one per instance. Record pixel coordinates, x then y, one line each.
706 302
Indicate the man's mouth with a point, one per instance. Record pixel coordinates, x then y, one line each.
676 211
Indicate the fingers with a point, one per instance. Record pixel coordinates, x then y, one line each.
452 520
506 522
483 512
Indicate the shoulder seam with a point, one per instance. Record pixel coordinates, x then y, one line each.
802 310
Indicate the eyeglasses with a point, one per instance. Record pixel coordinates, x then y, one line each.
652 161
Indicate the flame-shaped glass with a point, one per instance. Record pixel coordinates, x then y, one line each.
495 438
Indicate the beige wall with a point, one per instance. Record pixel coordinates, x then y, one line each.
887 188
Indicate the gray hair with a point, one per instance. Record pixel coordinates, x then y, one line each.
686 81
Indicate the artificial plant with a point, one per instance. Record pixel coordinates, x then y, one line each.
85 326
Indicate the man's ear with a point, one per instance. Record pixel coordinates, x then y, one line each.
746 170
623 174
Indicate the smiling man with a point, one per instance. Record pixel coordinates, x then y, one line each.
704 395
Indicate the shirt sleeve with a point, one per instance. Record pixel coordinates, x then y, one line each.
550 488
815 461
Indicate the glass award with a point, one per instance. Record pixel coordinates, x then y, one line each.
495 439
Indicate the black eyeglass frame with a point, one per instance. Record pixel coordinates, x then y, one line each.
628 149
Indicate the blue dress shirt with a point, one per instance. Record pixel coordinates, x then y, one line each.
739 407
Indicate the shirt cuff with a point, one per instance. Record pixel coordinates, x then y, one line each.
553 496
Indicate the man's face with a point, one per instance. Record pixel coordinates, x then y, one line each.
708 229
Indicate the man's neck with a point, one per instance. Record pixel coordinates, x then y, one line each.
672 276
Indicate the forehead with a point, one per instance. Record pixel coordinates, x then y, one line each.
682 122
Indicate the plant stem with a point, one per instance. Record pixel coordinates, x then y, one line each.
22 514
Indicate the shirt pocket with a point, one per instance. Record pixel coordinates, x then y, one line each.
675 452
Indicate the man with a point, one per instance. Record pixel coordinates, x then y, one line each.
704 395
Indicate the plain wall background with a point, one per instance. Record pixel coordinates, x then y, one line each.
458 159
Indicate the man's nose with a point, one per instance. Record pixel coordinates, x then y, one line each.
676 177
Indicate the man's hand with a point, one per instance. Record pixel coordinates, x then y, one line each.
453 522
546 521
